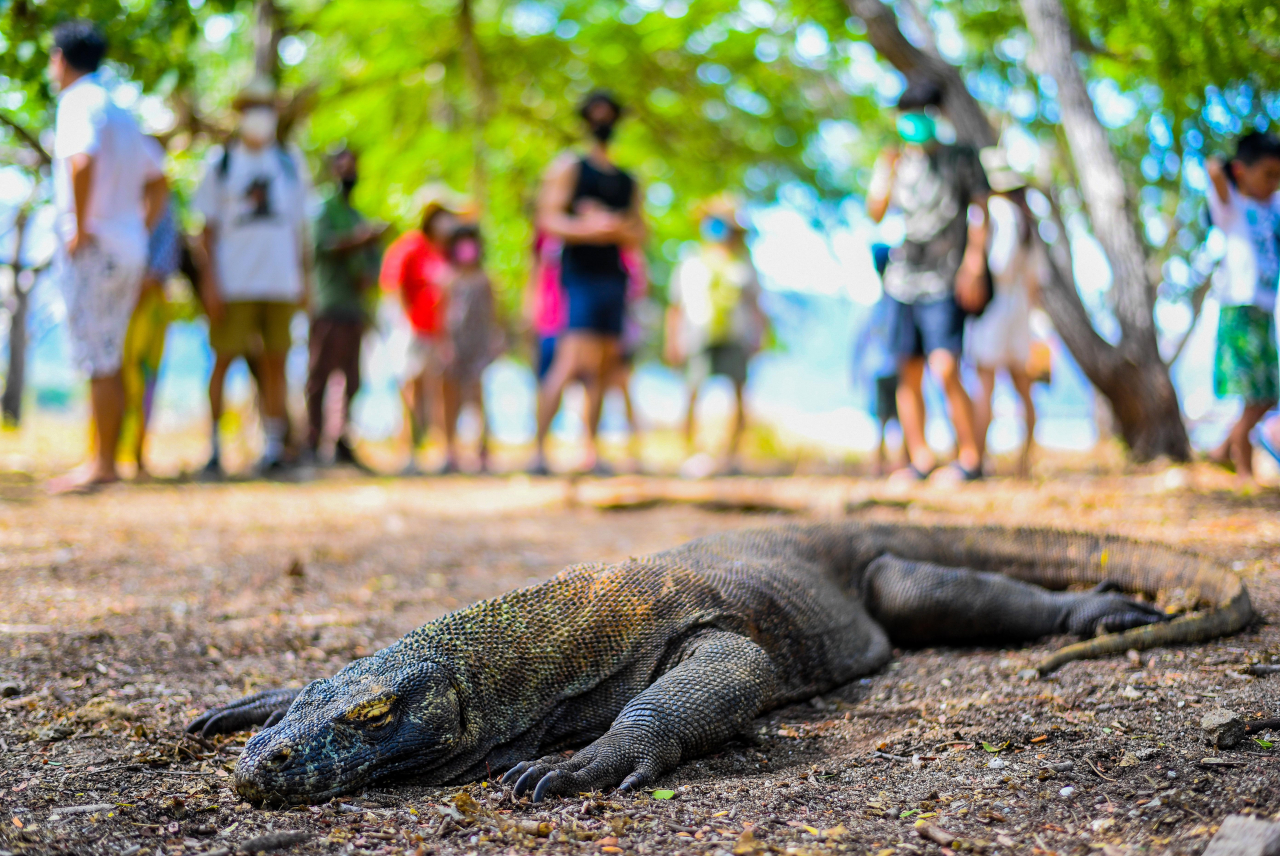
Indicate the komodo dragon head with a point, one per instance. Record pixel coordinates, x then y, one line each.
374 719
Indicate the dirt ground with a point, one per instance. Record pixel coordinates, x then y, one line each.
124 614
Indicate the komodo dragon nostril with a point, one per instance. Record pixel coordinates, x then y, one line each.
279 758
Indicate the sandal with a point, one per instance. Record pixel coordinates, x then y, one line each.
912 473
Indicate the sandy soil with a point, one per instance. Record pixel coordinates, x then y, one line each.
124 614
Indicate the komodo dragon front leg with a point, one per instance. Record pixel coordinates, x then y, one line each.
720 682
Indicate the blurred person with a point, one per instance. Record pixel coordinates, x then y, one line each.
1000 338
874 360
149 324
253 196
714 323
935 276
415 267
347 264
594 207
109 190
472 339
1244 204
544 302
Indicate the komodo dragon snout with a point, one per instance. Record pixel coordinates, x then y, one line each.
373 719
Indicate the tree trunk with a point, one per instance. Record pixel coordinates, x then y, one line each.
15 378
266 40
961 107
1132 376
482 105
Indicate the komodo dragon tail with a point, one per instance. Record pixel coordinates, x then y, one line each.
1057 560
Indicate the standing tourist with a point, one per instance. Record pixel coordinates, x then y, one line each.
874 362
347 260
594 207
714 322
471 340
1000 339
936 275
252 196
1244 204
108 191
415 266
144 341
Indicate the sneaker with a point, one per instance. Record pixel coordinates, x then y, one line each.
212 471
602 469
343 454
539 467
273 468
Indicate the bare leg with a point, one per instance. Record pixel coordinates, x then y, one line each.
739 426
452 409
946 366
911 414
1241 446
603 356
982 408
477 395
106 401
690 423
565 366
1022 383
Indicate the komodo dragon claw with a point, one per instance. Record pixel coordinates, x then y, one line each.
264 708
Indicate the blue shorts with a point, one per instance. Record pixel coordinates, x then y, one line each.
546 354
597 301
919 329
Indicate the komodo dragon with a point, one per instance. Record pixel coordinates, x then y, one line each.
651 661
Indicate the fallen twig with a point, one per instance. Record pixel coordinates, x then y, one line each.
1096 770
263 843
889 757
84 809
1261 669
1261 725
936 834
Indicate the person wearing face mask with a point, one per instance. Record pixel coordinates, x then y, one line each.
936 276
594 207
715 323
252 197
109 190
472 339
347 262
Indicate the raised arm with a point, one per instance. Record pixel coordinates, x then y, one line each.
1218 176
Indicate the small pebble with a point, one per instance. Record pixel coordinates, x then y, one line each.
1172 774
1067 792
1135 813
997 764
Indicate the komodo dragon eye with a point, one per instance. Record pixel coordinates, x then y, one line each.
371 714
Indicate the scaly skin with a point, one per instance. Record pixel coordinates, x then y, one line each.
655 660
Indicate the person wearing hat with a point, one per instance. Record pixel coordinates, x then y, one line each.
936 276
1000 338
415 267
253 200
594 207
714 322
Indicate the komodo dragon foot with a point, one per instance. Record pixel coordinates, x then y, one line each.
264 708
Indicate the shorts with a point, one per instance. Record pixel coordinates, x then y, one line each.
100 293
422 354
887 398
1245 363
248 325
729 360
919 329
546 355
597 301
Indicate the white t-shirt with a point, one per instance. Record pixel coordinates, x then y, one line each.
1251 267
89 122
258 207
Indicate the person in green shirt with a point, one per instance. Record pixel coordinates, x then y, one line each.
347 259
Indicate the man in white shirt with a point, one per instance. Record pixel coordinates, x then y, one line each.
109 190
253 198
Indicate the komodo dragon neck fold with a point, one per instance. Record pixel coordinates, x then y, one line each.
654 660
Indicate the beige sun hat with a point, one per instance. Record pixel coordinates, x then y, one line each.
437 196
260 91
724 206
1000 176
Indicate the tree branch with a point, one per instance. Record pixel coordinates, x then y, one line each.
28 138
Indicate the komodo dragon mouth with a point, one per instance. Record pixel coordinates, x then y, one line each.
652 661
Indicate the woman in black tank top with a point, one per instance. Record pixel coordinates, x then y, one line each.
613 191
